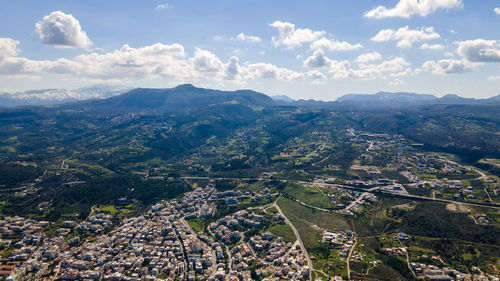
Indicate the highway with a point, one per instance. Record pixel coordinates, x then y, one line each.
375 190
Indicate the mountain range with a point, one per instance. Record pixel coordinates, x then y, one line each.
152 98
386 100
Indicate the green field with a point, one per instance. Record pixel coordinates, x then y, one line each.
309 195
114 210
329 221
284 231
309 223
197 224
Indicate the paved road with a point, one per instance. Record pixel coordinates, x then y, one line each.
296 232
353 203
376 190
349 259
230 259
410 196
408 260
214 260
63 164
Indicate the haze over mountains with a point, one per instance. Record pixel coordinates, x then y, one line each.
187 93
386 100
58 96
468 126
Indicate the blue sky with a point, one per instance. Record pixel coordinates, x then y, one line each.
304 49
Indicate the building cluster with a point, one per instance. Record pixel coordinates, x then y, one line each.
270 258
94 224
344 240
400 251
20 239
159 244
435 273
481 219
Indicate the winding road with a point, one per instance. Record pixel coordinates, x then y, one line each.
299 239
349 259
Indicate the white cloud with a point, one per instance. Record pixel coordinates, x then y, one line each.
233 69
149 62
405 36
325 44
363 58
449 54
494 77
271 71
426 46
248 38
372 71
315 75
206 62
497 11
480 50
317 60
8 48
448 66
162 6
406 72
62 30
344 70
290 37
408 8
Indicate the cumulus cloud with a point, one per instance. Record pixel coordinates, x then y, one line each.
290 37
497 11
368 57
233 69
372 71
271 71
406 36
480 50
206 62
343 69
408 8
317 60
62 30
426 46
8 48
315 75
474 53
448 66
148 62
334 45
406 72
248 38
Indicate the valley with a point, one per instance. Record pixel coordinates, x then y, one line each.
197 184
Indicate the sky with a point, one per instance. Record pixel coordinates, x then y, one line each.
304 49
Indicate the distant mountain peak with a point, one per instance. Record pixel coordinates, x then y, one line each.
184 98
283 98
187 86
